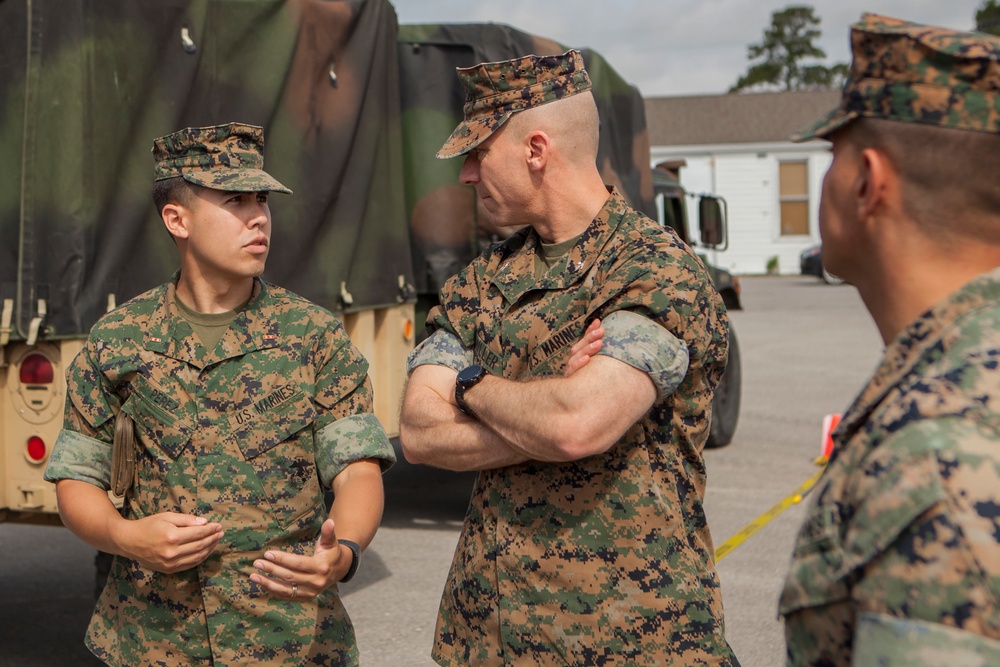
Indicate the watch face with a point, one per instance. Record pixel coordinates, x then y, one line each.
471 374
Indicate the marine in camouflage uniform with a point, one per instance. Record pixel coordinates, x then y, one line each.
898 560
245 434
605 559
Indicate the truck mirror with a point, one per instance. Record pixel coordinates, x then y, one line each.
712 221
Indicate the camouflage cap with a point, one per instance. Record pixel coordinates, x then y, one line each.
918 74
226 157
495 91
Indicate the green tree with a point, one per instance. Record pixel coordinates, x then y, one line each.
988 17
785 50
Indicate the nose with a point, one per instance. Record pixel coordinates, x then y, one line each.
260 215
470 170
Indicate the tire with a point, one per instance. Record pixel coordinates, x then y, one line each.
102 568
831 279
726 404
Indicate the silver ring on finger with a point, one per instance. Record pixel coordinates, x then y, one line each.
295 590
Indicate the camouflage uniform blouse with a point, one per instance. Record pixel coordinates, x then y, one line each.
248 435
899 556
606 560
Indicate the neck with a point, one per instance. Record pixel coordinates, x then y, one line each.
901 292
570 206
213 297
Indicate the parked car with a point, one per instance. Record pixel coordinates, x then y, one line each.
811 264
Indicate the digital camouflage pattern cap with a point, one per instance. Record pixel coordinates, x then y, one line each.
226 157
918 74
495 91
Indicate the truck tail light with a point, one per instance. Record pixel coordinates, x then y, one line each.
36 369
36 449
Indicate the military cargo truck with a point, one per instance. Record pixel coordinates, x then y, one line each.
354 107
670 199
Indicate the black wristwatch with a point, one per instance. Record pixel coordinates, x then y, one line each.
355 559
467 379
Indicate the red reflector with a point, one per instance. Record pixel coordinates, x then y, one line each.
36 448
36 369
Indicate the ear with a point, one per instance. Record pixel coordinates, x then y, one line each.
877 186
537 144
175 219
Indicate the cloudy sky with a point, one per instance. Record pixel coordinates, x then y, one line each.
678 47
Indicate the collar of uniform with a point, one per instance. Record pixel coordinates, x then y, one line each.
255 328
911 345
516 275
170 335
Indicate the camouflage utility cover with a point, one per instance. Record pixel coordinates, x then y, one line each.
82 98
449 227
902 536
495 91
605 560
226 157
247 434
916 73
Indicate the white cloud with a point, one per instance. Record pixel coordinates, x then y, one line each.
677 47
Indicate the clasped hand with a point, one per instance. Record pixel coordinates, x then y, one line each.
289 575
170 542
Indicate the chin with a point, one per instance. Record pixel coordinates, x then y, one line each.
255 270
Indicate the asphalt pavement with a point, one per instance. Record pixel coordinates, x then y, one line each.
807 349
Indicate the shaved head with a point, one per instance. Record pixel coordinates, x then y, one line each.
947 175
572 122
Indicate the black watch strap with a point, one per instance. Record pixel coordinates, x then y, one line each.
460 400
355 559
467 379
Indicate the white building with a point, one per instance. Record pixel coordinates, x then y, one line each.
737 146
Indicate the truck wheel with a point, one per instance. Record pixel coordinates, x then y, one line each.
102 568
831 279
726 404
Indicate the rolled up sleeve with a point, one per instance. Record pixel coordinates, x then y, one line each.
643 344
349 439
442 348
77 456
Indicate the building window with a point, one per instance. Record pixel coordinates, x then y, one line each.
793 196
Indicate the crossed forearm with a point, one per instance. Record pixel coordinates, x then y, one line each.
435 432
535 418
551 419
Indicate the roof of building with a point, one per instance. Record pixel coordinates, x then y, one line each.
734 118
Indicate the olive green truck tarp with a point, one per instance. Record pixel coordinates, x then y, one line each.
352 119
354 107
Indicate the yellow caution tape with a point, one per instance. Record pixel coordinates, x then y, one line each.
765 518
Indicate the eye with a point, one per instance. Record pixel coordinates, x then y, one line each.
262 197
